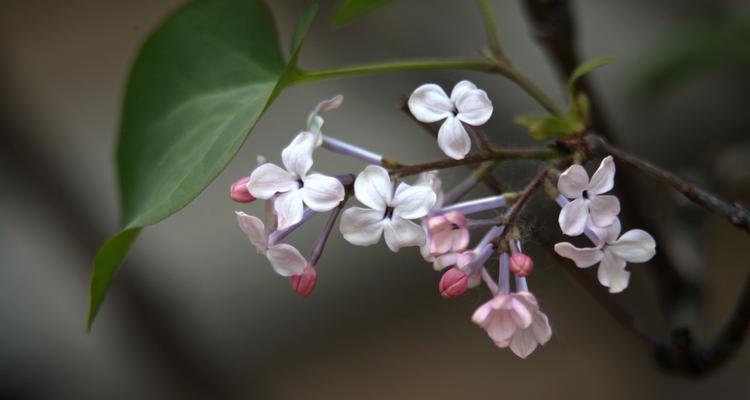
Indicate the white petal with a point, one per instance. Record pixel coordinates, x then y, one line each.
453 139
254 229
541 328
573 217
286 260
269 179
607 234
373 187
399 232
573 181
461 89
604 210
322 193
432 180
289 208
444 261
604 178
361 226
412 201
635 246
429 103
612 272
583 257
474 107
523 343
297 157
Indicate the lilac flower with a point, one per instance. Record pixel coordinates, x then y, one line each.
285 259
588 206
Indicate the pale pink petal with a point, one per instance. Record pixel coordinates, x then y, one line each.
441 242
521 314
573 181
541 328
322 193
604 178
634 246
475 279
612 273
269 179
412 202
373 187
286 260
453 138
604 210
297 156
289 208
399 232
361 226
500 326
474 107
254 229
429 103
583 258
460 89
444 261
460 239
482 313
523 343
573 217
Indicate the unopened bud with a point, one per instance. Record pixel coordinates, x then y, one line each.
454 283
521 264
304 283
239 192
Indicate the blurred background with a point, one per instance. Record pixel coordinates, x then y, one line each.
195 314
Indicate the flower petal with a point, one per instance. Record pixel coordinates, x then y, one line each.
373 187
573 217
612 272
500 326
573 181
604 210
269 179
460 89
322 193
431 179
254 229
607 234
400 232
286 260
297 156
583 257
604 178
289 208
523 343
361 226
521 314
453 139
540 326
412 201
429 103
474 107
444 261
635 246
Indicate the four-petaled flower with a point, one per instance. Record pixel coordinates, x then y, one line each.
389 213
467 104
285 259
447 233
588 205
295 186
514 320
612 254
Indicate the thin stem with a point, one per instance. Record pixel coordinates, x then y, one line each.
515 211
491 285
277 236
317 251
534 153
736 214
394 66
493 39
483 223
503 279
478 205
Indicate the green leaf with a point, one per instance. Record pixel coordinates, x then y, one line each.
584 69
199 84
351 10
545 127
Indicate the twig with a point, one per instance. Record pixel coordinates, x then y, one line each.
533 153
518 206
735 213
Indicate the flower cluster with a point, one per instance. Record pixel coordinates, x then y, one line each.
592 212
419 214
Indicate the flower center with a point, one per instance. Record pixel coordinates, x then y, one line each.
585 194
300 183
454 227
388 212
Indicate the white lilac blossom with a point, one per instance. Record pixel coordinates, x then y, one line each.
295 187
388 214
588 206
612 252
467 104
315 120
285 259
514 320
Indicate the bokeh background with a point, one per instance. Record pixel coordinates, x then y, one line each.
195 314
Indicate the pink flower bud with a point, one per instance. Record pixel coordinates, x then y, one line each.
304 283
239 193
454 283
521 264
